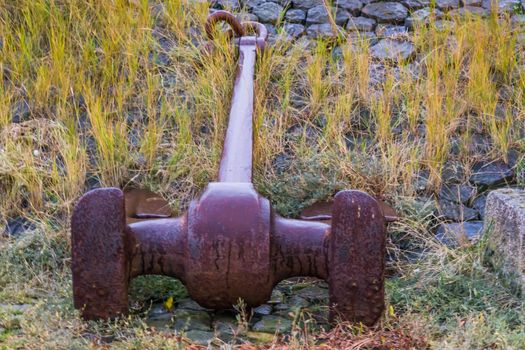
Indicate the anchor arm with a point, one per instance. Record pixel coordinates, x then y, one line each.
158 247
299 248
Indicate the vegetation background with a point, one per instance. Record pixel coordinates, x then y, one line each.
120 93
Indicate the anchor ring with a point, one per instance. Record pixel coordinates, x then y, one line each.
223 16
238 29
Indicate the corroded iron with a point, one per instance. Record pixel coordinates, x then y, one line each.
230 244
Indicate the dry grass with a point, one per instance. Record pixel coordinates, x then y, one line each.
120 92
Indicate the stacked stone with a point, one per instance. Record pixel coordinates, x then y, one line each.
383 23
212 328
461 201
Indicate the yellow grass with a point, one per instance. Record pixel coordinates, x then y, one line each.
104 105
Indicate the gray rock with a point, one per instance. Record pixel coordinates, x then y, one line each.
273 324
20 112
422 16
479 204
225 325
157 309
295 16
281 307
391 31
200 337
276 297
479 143
320 313
443 25
377 72
514 157
502 5
160 321
447 4
190 304
271 30
323 30
359 142
247 17
283 3
298 131
294 30
488 175
412 4
168 80
505 230
469 10
369 37
259 337
228 4
191 320
422 181
352 6
317 14
389 12
268 12
459 233
471 2
306 4
92 182
390 49
457 193
518 21
363 24
453 172
313 294
281 163
456 212
17 226
297 302
15 309
225 328
264 309
251 4
342 17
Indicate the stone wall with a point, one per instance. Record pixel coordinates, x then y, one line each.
505 229
371 18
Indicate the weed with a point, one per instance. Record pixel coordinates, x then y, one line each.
122 91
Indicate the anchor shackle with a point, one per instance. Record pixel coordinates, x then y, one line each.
238 29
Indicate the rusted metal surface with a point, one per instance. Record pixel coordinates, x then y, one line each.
322 211
142 204
355 253
230 244
100 254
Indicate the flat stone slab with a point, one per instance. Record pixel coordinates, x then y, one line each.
389 12
273 324
392 50
462 233
505 227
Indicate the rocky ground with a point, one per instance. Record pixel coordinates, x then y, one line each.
385 24
294 304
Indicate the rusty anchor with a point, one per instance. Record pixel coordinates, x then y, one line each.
230 244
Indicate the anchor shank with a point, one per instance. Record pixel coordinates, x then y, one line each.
236 162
